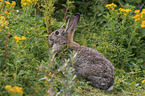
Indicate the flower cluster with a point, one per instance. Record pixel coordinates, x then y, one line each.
124 10
7 13
3 22
27 2
111 5
14 90
143 81
19 38
8 3
140 16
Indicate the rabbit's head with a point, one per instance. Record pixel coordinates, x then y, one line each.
65 36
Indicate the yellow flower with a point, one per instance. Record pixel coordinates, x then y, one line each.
137 19
45 82
125 14
45 76
121 9
143 22
108 5
7 27
143 10
17 41
142 13
13 3
143 81
2 17
8 3
9 13
29 1
127 10
35 0
21 92
111 5
4 22
12 90
49 73
143 26
1 0
6 12
54 87
136 11
17 38
8 86
25 4
2 25
23 38
136 16
20 88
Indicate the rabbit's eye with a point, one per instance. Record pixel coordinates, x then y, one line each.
56 33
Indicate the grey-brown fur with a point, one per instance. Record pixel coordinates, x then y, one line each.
89 63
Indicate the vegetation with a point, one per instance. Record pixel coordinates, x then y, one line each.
28 66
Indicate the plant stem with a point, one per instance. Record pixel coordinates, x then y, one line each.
5 53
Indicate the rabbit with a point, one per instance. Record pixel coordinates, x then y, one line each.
89 64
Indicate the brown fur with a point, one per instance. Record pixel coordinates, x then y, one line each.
89 63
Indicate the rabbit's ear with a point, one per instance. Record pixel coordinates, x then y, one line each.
72 23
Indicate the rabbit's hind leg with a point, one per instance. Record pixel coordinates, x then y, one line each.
101 82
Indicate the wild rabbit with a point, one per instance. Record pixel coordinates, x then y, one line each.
89 63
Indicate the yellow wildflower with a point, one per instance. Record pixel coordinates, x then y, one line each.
13 3
17 38
136 11
29 1
2 25
23 38
8 3
1 0
5 22
143 81
20 88
8 86
45 76
49 73
111 5
54 87
121 9
45 82
143 22
143 26
142 13
125 14
6 12
2 17
12 90
7 27
143 10
35 0
114 5
127 10
136 16
25 4
137 19
21 92
108 5
9 13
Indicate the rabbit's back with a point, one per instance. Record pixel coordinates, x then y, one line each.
91 64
